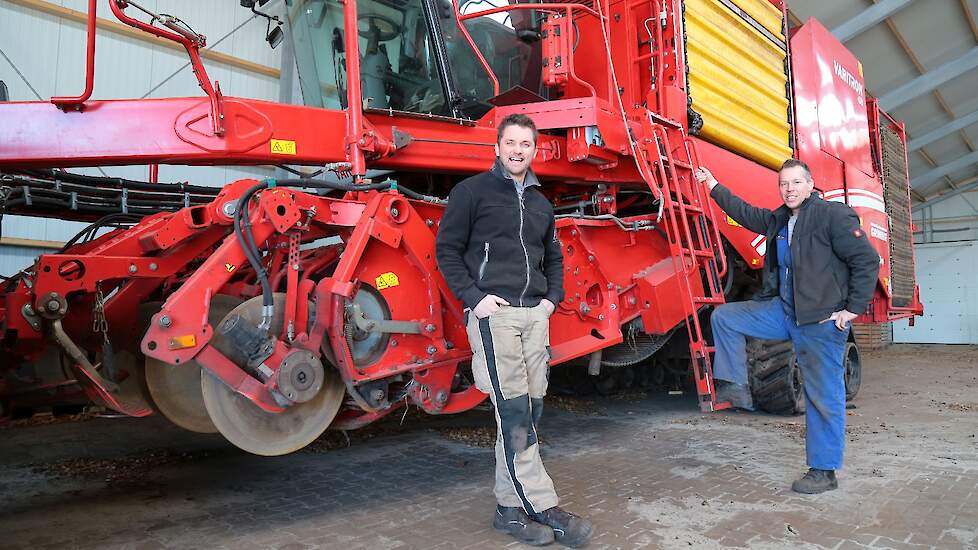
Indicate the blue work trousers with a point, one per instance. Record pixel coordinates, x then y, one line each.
819 348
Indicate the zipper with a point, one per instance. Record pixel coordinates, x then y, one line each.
526 254
484 264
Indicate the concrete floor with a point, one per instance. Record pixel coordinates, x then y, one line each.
650 471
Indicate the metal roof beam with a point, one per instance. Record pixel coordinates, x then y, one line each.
937 173
938 133
945 196
930 80
868 18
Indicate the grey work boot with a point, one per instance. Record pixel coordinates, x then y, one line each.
514 522
569 529
816 481
737 394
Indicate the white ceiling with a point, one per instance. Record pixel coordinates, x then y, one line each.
918 37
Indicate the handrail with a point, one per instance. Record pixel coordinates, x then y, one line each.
75 101
539 7
555 8
190 43
706 203
478 53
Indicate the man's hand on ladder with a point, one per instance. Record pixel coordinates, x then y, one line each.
703 175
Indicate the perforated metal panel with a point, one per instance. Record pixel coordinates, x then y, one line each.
897 200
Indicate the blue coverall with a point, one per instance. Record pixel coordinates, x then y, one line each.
819 347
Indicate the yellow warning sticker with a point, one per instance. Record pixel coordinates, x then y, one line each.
732 222
754 261
283 147
229 267
387 280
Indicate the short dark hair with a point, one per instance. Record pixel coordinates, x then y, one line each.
795 163
516 119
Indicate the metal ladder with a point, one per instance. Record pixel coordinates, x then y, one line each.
694 241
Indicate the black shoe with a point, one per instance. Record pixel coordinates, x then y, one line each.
816 481
569 530
737 394
518 525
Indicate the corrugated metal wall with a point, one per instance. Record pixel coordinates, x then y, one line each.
49 51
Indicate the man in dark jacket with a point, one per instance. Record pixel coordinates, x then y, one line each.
819 274
498 251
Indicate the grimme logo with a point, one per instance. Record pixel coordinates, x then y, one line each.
850 81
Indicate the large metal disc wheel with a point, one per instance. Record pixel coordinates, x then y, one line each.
854 370
255 430
176 390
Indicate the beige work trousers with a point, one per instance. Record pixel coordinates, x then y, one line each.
510 356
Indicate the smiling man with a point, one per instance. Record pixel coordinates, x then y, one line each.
498 251
819 274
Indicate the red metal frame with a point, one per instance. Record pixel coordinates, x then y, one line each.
65 102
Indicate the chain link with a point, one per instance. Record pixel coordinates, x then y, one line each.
99 322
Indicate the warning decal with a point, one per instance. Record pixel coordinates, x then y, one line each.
283 147
387 280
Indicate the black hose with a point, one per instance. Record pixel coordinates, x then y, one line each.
242 221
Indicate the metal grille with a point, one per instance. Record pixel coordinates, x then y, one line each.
896 192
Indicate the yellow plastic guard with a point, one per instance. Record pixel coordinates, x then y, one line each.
737 78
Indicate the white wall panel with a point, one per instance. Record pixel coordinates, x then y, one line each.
949 292
50 52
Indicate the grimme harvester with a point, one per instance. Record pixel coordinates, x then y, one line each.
272 310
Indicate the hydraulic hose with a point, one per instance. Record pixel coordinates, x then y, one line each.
242 224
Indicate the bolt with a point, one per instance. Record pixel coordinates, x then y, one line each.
614 307
432 349
606 200
28 310
429 328
631 300
441 397
394 212
53 305
449 345
573 232
611 286
165 321
393 343
601 317
132 268
590 258
229 208
153 266
377 395
429 222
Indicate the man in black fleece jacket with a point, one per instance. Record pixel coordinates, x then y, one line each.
819 274
498 251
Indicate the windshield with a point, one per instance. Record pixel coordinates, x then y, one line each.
399 56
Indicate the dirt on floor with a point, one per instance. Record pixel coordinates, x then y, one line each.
648 468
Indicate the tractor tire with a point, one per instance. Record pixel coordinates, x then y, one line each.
775 379
854 370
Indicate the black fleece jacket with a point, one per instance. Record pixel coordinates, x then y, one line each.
835 267
492 240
